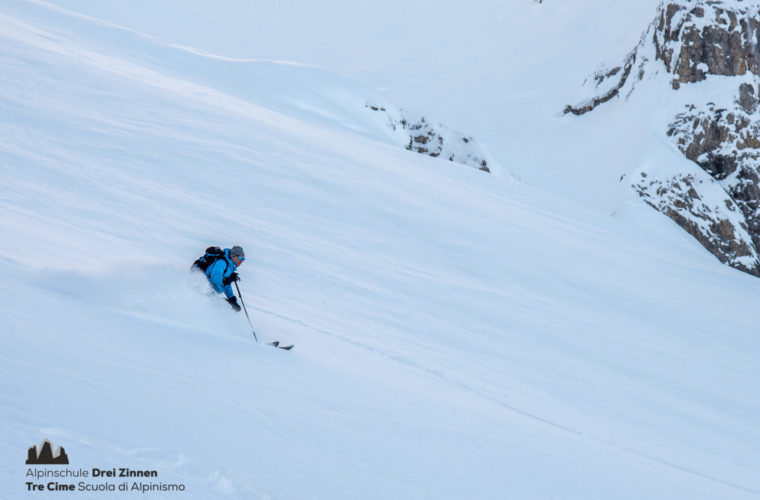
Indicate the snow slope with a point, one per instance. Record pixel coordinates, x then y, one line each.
500 71
457 334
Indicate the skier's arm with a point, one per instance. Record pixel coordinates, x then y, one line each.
216 277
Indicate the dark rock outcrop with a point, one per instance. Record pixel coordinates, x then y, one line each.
717 226
691 41
708 39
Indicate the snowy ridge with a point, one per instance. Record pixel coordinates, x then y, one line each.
329 100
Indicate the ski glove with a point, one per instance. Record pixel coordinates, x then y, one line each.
233 277
233 302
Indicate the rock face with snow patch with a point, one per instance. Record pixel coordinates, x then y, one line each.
690 43
711 38
696 203
434 139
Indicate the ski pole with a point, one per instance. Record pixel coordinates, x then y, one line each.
246 312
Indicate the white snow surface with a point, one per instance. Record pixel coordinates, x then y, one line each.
458 334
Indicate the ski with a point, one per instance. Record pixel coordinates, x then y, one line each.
276 343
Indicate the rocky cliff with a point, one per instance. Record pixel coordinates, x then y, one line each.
694 45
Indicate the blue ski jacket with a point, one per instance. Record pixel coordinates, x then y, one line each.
219 270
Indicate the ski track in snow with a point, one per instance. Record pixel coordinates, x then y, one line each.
463 386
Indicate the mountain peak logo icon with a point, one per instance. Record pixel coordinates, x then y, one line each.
45 455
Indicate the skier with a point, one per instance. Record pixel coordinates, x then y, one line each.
220 267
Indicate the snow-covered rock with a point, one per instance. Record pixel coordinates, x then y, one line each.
691 44
434 139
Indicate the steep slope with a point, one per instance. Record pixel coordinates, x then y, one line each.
458 334
329 100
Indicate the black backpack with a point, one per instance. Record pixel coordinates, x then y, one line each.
212 255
